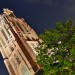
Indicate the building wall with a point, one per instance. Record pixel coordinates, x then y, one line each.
17 45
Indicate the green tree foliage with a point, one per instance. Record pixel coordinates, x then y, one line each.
57 52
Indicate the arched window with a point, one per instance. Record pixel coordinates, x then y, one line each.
24 70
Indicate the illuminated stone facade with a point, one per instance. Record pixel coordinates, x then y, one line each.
17 45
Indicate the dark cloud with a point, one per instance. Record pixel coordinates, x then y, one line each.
31 1
46 1
39 1
69 9
69 6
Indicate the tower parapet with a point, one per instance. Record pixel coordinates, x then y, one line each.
8 12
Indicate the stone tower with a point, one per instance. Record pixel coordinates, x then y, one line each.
17 45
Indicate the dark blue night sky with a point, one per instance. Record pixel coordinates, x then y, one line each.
39 14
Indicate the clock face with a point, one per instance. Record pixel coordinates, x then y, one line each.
24 70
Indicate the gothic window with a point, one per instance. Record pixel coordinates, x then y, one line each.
7 30
24 70
2 21
17 58
4 34
15 65
20 26
12 48
11 69
33 45
3 43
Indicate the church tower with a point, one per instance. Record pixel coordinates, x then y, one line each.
17 45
